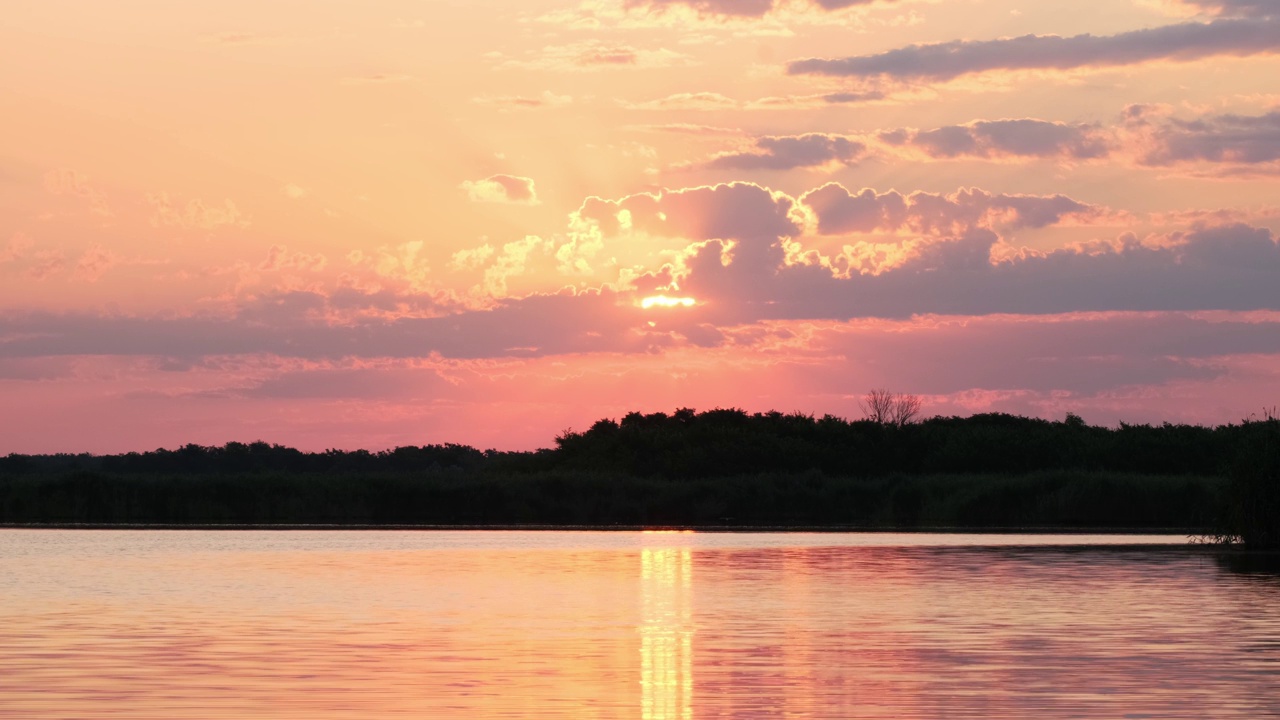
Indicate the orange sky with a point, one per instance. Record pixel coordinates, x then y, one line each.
331 225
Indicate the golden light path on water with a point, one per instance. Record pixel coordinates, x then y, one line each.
666 635
479 625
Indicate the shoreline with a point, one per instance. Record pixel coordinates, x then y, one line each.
549 527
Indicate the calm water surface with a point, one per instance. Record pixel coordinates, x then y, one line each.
652 626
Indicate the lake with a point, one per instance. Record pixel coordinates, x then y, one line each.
651 626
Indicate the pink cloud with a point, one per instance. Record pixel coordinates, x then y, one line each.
68 182
16 249
839 211
730 8
734 210
790 152
1024 137
1227 138
94 262
1106 367
740 8
279 258
942 62
195 214
1234 8
1144 136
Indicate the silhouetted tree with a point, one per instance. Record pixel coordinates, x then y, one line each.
877 405
890 408
905 408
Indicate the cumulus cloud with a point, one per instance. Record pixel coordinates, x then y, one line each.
798 151
838 211
547 99
405 262
687 101
94 262
598 55
1235 139
509 189
471 258
279 258
65 181
44 264
686 129
716 101
294 325
16 249
773 221
942 62
341 382
729 8
741 8
1229 268
194 214
1234 8
746 282
804 102
739 263
377 79
1013 138
732 211
1144 135
511 262
1076 353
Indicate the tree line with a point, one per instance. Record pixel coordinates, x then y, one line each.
719 466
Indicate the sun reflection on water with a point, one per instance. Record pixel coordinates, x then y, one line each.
666 634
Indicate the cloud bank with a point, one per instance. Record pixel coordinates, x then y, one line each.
1011 138
744 263
941 62
787 153
1143 136
741 8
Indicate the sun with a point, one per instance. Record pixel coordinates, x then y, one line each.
665 301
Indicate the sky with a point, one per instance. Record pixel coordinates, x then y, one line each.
399 222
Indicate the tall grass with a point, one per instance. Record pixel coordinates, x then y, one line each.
1251 511
1037 500
719 467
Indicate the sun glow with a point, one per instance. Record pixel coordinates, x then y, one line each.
666 637
666 302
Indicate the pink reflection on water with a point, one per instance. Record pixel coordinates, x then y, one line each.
626 625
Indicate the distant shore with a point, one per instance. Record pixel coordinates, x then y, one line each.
716 471
852 529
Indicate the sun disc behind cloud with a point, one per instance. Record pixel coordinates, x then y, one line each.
664 301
